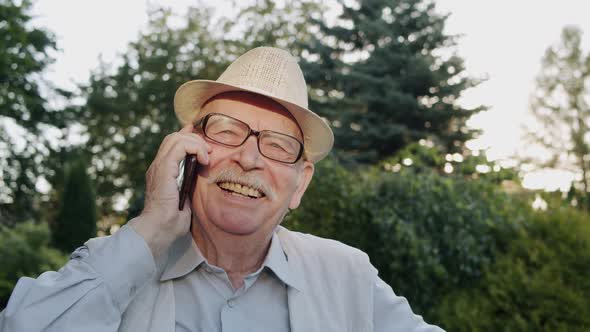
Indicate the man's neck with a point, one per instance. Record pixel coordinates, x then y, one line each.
237 255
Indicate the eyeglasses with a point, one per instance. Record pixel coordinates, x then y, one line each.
229 131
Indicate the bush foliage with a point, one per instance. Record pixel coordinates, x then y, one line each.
24 251
427 233
467 255
539 284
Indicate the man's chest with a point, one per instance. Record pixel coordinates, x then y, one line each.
205 301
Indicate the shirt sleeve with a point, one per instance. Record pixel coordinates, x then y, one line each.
393 313
90 293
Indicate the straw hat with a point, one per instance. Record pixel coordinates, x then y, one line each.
270 72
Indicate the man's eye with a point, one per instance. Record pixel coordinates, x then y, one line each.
277 146
226 132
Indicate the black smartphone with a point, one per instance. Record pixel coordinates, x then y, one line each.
189 177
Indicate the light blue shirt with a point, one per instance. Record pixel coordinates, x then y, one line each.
113 284
206 300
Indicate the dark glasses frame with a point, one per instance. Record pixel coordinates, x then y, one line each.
202 123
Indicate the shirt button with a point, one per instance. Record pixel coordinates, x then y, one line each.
231 303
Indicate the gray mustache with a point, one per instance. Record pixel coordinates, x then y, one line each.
238 176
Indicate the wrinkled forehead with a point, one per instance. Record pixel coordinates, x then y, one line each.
254 109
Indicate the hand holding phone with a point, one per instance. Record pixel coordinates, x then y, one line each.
160 222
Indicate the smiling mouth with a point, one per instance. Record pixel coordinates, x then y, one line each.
241 190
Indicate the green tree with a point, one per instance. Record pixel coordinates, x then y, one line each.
129 108
76 220
386 75
267 23
560 105
23 56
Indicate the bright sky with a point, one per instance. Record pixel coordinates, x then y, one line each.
502 40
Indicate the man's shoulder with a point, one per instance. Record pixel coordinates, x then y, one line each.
89 246
308 246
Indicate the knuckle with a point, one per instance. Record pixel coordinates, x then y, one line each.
171 137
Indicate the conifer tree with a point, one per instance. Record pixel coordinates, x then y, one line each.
385 75
76 219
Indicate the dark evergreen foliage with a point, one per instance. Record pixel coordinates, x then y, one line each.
76 220
386 75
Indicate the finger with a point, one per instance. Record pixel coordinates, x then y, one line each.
199 149
200 138
187 144
167 144
170 140
187 129
190 129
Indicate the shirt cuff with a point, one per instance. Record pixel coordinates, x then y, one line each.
126 264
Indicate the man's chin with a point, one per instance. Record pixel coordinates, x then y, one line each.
239 227
236 221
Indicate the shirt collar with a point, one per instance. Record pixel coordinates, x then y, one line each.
276 261
185 256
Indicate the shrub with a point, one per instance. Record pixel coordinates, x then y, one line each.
428 234
24 251
539 284
436 233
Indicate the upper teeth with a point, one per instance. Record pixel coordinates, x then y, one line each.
240 189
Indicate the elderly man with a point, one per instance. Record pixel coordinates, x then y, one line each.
221 263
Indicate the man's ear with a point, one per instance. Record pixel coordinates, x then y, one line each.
305 175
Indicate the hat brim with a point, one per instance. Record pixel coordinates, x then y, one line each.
318 138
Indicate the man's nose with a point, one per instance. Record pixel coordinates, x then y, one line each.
249 156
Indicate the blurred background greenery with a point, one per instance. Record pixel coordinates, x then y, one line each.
455 233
